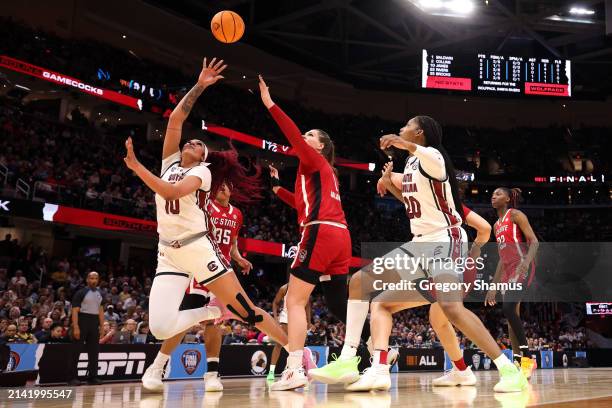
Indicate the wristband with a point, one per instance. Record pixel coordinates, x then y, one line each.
275 181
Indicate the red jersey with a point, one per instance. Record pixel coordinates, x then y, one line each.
227 222
316 196
511 242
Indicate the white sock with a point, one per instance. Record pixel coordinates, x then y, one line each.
295 359
272 368
160 360
356 315
501 361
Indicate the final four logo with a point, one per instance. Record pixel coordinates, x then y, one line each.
13 362
191 360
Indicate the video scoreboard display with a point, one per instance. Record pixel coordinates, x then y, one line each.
497 74
599 308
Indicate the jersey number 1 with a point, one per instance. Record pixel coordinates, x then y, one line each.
413 208
173 207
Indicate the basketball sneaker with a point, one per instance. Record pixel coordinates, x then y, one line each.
291 379
308 361
338 371
511 380
528 366
152 378
376 377
392 356
270 377
212 382
454 377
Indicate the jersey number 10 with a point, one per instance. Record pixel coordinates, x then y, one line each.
413 208
173 207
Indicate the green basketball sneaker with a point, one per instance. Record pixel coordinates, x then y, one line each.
511 380
338 371
270 377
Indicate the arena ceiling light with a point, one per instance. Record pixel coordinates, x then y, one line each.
581 11
448 8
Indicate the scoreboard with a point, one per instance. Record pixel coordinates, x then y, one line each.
492 74
599 308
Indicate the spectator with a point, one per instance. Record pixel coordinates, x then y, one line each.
126 334
109 328
19 279
45 328
235 337
55 335
9 335
110 314
125 294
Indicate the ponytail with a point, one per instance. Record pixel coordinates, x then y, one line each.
225 167
515 195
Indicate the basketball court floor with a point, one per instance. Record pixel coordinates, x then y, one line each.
585 388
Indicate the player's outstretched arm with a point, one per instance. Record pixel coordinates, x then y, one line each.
210 74
309 157
168 191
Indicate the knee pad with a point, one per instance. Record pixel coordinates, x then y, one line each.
251 317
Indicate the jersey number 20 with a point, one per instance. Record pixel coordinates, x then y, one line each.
413 208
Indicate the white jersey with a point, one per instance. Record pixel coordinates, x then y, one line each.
429 202
186 216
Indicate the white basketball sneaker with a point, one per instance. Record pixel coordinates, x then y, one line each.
392 356
454 377
291 379
376 377
212 382
152 378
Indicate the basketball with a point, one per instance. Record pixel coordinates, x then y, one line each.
227 26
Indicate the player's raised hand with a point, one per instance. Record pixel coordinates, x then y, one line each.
130 157
265 93
211 73
393 140
490 299
273 171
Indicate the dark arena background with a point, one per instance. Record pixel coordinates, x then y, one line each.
522 91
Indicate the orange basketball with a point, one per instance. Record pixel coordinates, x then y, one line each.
227 26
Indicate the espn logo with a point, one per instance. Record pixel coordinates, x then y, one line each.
133 363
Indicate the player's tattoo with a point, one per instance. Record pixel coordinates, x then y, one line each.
190 98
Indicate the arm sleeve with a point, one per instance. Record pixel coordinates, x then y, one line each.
431 161
286 196
169 161
466 211
78 298
203 173
308 156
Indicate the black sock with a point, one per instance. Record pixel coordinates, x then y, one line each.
213 366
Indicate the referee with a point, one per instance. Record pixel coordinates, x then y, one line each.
87 319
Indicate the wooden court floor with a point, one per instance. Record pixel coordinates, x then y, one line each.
585 388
